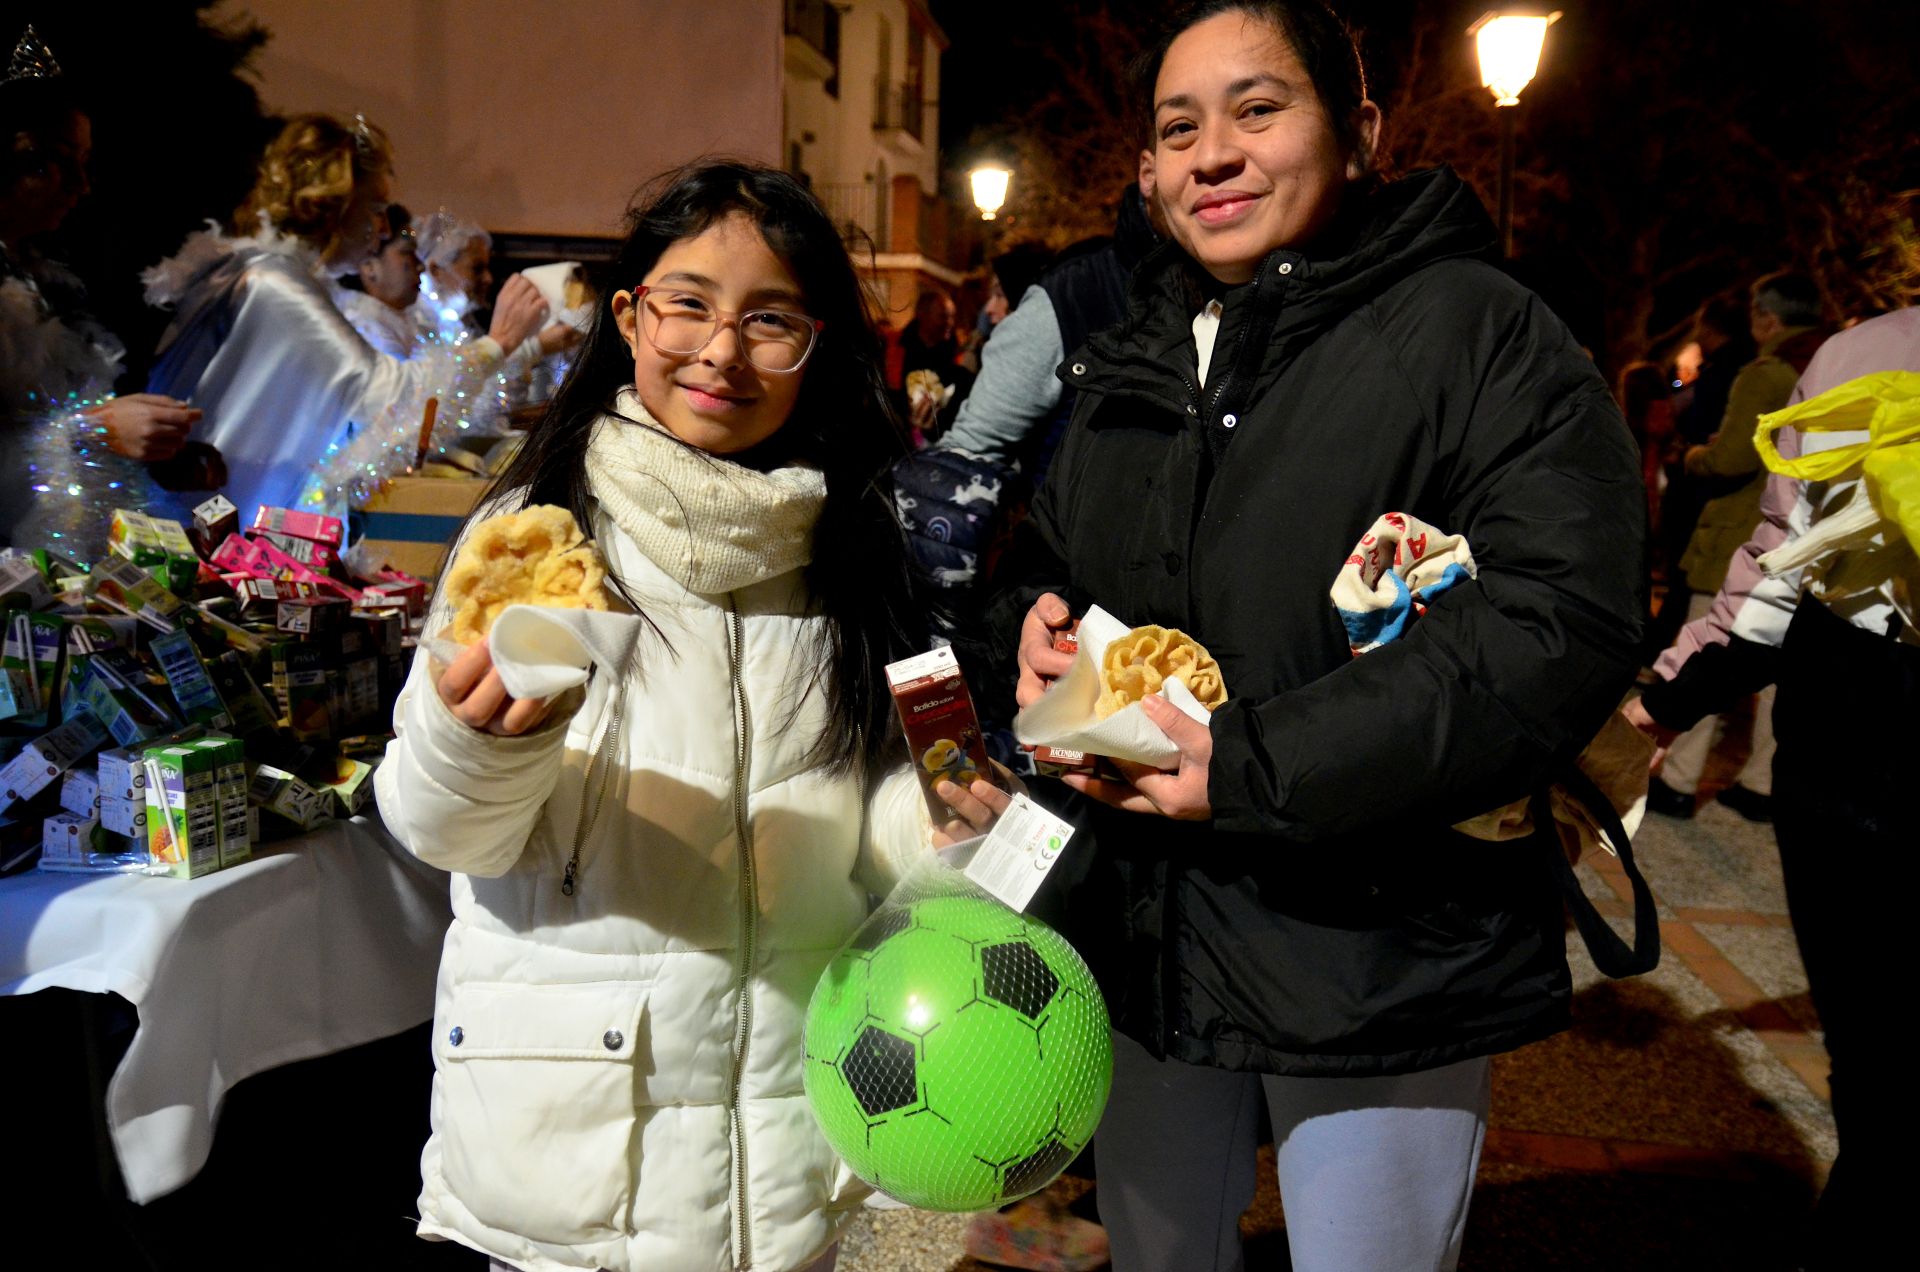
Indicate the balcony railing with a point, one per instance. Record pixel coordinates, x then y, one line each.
818 23
898 107
852 208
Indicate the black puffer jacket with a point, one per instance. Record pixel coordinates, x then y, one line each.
1327 920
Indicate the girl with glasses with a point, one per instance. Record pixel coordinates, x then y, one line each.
618 1040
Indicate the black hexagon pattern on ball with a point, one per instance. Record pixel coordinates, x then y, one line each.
879 1069
879 928
1016 975
1029 1173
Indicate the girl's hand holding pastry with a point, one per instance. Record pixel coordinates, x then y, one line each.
472 690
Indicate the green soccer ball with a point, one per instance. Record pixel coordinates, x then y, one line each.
958 1054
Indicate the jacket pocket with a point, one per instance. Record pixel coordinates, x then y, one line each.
538 1086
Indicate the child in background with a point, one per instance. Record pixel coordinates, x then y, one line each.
651 873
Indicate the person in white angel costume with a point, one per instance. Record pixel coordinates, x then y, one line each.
258 344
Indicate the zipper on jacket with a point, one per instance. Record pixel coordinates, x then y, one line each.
749 924
603 759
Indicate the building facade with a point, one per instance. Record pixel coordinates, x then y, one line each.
860 120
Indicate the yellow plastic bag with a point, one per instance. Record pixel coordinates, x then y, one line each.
1885 406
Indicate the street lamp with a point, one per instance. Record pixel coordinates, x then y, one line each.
1509 42
989 188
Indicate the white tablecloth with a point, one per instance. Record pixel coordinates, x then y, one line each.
323 943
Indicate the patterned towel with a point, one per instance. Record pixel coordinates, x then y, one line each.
1393 574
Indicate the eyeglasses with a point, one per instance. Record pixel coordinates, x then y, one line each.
681 324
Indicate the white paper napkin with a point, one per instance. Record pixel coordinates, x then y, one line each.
541 651
1063 716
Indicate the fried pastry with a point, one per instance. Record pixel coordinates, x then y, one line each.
536 556
1142 661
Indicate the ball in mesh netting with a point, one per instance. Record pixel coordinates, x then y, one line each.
958 1054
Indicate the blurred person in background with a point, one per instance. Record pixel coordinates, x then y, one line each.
1719 347
1646 400
69 448
378 296
930 346
1784 320
457 257
257 342
1831 620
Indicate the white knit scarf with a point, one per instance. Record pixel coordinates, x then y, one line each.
710 524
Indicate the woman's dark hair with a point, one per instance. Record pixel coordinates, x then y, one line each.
1321 39
399 221
1792 298
841 424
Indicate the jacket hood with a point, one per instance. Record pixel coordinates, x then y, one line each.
1386 234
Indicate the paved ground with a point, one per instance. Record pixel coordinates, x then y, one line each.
1682 1123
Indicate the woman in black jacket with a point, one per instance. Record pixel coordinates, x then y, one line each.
1289 908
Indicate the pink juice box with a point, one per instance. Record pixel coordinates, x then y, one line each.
301 525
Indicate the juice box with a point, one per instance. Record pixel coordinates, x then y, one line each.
943 733
156 544
408 591
128 717
352 787
315 556
30 658
230 790
213 521
187 676
68 839
277 791
21 582
131 590
80 792
122 771
360 689
311 526
309 615
300 682
121 776
1056 761
183 811
245 702
16 664
45 758
90 633
125 816
241 554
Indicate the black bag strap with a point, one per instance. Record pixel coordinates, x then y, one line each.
1610 954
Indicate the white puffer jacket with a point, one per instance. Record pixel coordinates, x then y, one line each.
618 1070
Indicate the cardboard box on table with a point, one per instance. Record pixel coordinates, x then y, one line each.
411 523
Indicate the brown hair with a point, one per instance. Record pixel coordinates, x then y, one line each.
307 177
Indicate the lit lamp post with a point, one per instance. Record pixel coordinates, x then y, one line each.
989 188
1509 42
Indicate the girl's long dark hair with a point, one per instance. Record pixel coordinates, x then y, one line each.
841 424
